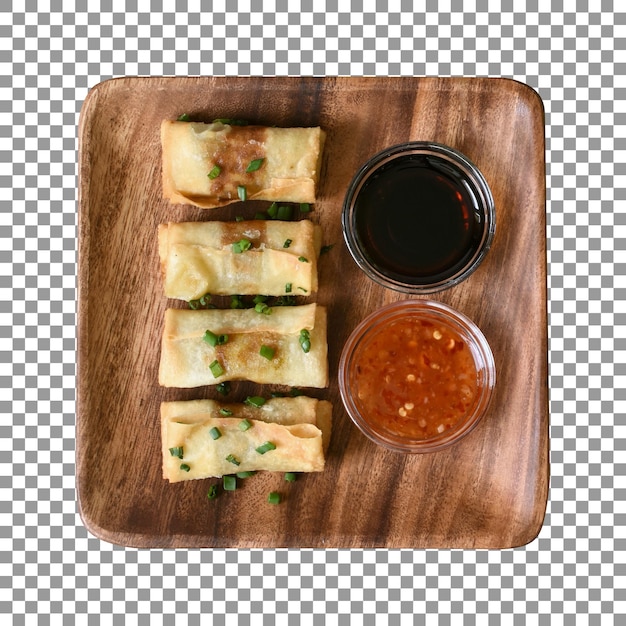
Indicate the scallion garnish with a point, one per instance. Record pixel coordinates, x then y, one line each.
303 289
215 433
305 207
216 170
259 298
285 212
290 477
245 474
303 259
230 121
223 388
242 193
273 497
272 211
261 307
257 401
295 392
215 340
236 302
212 492
177 452
267 352
232 459
266 447
239 218
226 412
288 288
305 340
241 246
287 243
216 369
183 118
245 424
229 482
254 165
184 467
260 215
326 249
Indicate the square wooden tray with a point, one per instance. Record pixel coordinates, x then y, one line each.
489 491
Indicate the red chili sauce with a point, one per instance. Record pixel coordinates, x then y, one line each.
415 378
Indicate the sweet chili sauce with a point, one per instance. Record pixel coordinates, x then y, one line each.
415 378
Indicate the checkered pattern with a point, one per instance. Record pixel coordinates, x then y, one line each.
52 52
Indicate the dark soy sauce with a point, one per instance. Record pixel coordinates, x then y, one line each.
417 220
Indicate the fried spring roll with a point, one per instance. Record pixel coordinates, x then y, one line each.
208 257
199 441
286 347
210 165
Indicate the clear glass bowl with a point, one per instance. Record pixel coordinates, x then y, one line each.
416 376
418 217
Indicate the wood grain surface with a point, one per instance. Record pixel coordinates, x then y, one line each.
488 491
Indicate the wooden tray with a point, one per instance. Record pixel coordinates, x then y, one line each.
489 491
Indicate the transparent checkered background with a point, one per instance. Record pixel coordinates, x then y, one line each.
52 52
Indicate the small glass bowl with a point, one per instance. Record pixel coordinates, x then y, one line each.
401 360
418 217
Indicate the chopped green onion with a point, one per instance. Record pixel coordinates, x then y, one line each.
303 259
288 288
273 497
266 447
183 118
184 467
267 352
205 300
245 474
287 243
254 165
242 192
326 249
216 369
215 433
290 477
239 218
256 401
305 340
214 340
260 215
177 452
259 298
223 388
230 482
305 207
236 302
245 424
303 289
212 492
215 172
261 307
230 121
285 212
241 246
226 412
285 301
272 211
295 392
231 459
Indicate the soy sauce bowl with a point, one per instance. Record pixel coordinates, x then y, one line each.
418 217
416 376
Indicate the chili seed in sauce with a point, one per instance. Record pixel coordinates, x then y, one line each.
415 379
